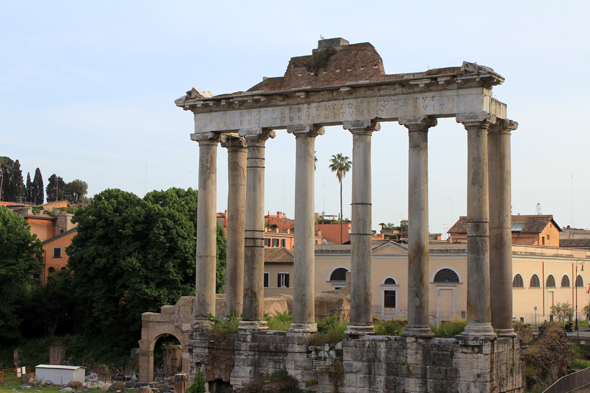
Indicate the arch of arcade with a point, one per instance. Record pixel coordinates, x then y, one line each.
345 84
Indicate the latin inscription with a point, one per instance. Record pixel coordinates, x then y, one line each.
336 112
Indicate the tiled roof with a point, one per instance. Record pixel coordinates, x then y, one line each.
278 255
574 243
532 224
524 241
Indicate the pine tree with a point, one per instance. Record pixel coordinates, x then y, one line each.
55 188
38 190
29 192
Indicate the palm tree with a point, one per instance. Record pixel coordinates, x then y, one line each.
340 164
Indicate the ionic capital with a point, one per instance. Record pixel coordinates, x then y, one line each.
232 140
361 126
256 135
417 123
476 119
311 130
206 137
503 126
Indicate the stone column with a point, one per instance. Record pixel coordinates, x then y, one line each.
361 318
418 247
206 227
500 226
236 223
252 316
303 290
479 325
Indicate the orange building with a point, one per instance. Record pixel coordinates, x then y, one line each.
280 221
55 257
332 231
536 230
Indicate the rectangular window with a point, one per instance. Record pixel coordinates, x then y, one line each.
266 279
284 243
266 242
275 242
283 281
548 237
389 299
57 252
543 239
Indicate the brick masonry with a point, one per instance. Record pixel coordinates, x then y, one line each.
372 363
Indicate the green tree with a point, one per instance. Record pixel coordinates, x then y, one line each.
55 188
341 165
29 188
220 253
37 190
75 191
18 263
562 311
131 256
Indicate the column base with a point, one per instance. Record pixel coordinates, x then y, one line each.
359 330
506 333
202 324
252 325
475 332
305 327
419 331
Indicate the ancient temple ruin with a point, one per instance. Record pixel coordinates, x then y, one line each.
345 85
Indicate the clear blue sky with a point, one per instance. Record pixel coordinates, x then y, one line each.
87 90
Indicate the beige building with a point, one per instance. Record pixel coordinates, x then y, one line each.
542 277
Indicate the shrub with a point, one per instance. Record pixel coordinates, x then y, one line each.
198 386
280 321
117 386
393 327
225 326
330 331
449 329
76 385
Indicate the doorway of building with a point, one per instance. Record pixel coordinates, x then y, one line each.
167 357
445 303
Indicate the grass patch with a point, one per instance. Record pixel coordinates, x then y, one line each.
279 321
393 327
228 325
449 329
330 331
579 364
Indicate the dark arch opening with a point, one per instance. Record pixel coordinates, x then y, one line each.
518 282
389 281
535 282
446 275
167 357
550 282
338 274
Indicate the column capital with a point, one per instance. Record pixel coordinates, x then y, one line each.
211 137
476 119
254 135
503 126
361 126
232 140
417 123
311 130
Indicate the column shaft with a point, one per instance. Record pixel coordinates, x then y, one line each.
418 236
236 224
478 255
252 317
206 229
500 226
303 290
361 318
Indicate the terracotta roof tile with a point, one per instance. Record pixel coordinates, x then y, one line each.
524 241
574 243
278 255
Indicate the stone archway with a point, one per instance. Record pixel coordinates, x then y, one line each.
173 320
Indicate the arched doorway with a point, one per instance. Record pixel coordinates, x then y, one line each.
167 357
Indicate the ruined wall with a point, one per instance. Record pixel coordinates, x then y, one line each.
373 363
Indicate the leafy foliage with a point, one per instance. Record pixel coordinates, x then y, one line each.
75 191
55 188
198 386
340 164
18 263
133 255
279 321
12 183
37 190
562 311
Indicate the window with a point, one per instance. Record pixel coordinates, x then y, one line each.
535 282
543 240
565 281
517 282
266 242
50 270
446 276
283 281
579 282
550 282
284 243
389 281
548 237
57 252
266 279
275 242
389 299
338 274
